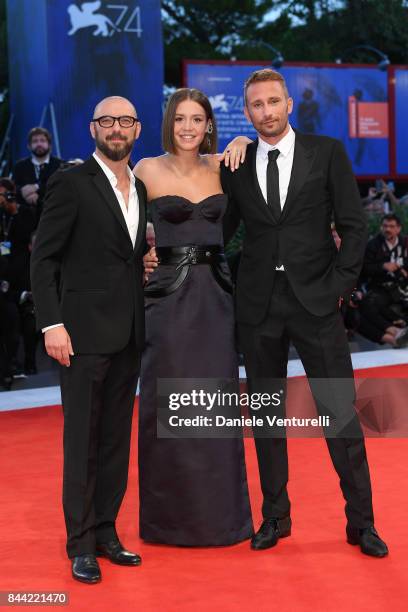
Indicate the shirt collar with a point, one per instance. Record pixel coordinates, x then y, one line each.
111 175
392 244
38 162
285 145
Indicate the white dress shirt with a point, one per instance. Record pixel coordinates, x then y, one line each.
37 163
286 146
130 212
40 162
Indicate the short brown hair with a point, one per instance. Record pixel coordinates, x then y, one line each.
7 184
209 144
266 74
39 131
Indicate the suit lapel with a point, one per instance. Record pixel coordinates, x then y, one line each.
302 163
108 194
105 189
253 180
252 150
141 230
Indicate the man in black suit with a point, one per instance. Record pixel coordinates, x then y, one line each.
86 271
289 283
31 174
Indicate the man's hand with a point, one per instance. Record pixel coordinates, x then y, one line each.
150 262
28 190
32 199
391 266
234 153
58 345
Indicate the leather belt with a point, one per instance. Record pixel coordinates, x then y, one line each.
185 256
190 255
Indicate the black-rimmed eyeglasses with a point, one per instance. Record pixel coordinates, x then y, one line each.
108 121
9 196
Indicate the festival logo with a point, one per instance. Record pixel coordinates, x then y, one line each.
124 18
219 103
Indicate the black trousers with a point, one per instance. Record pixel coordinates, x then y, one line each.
323 349
98 393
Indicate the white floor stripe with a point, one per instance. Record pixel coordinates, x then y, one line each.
50 396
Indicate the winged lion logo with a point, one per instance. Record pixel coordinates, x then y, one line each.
219 103
86 17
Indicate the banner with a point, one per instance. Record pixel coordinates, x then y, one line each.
401 123
66 55
350 104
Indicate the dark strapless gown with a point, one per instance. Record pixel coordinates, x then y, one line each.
193 492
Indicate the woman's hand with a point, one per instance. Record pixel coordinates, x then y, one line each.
150 263
235 152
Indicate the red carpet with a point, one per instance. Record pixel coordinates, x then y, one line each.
313 569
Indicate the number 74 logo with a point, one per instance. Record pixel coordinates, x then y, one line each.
133 23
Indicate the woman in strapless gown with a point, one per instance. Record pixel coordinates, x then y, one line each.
193 491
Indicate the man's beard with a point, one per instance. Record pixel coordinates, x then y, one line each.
117 152
274 131
40 151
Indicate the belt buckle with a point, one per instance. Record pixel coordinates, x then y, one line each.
193 255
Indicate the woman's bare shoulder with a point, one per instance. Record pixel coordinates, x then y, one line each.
213 160
148 165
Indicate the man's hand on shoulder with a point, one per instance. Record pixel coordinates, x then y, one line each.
58 345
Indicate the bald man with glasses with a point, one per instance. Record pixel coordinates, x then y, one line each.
86 271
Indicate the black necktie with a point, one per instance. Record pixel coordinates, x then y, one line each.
272 183
39 169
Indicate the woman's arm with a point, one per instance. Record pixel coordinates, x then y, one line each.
234 153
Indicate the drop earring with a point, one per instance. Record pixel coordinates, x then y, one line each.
210 130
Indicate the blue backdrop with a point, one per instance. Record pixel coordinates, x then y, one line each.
401 123
322 105
66 55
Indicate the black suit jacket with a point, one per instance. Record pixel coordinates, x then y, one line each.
21 225
377 254
322 186
85 272
24 173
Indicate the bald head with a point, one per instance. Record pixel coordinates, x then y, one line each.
116 141
116 106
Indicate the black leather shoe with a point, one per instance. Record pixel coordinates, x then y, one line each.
115 552
270 531
85 568
369 541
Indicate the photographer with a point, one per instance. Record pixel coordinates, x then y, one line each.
381 198
378 325
381 325
385 270
17 225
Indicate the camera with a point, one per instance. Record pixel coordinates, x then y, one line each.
356 298
399 289
9 196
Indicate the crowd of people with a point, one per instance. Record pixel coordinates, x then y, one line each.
21 203
377 310
381 198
